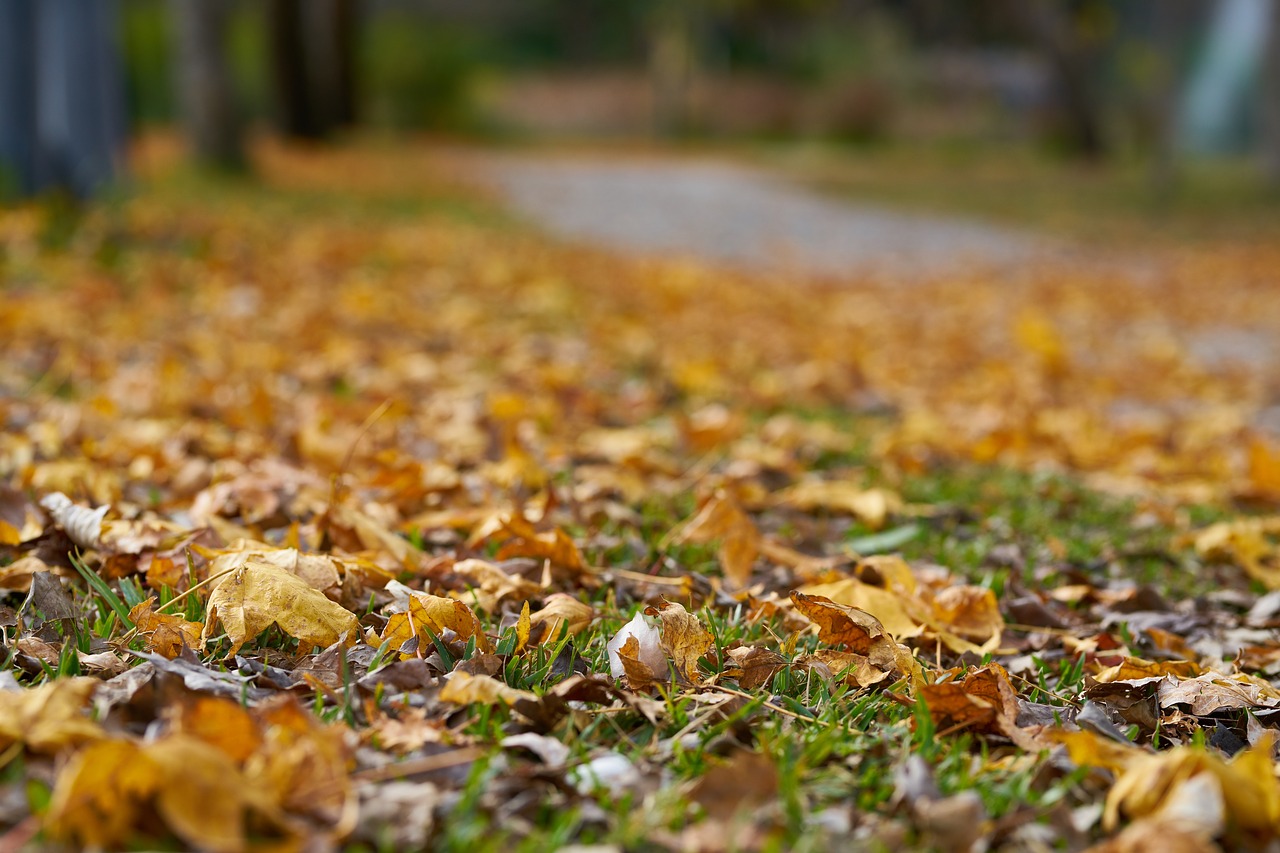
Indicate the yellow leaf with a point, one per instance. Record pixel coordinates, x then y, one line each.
50 717
100 794
200 793
429 616
561 610
463 688
219 722
872 506
303 763
523 625
259 594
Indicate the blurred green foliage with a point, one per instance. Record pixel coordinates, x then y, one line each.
421 77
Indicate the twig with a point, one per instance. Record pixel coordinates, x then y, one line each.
204 582
786 712
419 765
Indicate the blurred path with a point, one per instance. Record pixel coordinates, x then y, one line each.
732 214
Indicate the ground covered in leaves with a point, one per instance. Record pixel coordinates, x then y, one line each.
340 510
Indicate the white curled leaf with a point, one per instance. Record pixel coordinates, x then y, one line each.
83 526
650 640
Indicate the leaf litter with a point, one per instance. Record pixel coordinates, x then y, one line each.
386 530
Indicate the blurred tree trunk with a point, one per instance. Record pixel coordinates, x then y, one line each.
1270 91
205 92
1171 22
18 147
313 65
1050 25
62 117
672 64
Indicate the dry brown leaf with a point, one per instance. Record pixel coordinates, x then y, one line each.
971 612
164 633
561 612
553 545
754 667
635 664
983 701
721 520
901 616
490 585
428 616
683 638
855 629
260 594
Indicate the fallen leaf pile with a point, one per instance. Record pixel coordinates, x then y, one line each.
325 523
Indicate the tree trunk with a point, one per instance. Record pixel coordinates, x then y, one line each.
1049 25
313 65
289 70
1171 22
18 148
1270 93
213 123
62 117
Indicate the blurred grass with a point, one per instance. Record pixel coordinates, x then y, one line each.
1113 204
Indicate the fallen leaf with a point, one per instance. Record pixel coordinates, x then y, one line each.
721 520
754 667
462 688
683 638
260 594
430 616
50 717
871 506
561 612
648 646
640 673
164 633
855 629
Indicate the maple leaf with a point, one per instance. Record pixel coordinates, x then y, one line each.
259 594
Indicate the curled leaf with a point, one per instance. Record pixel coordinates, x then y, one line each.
83 526
647 648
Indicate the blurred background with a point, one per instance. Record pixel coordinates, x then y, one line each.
1145 91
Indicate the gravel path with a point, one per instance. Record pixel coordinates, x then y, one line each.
735 215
